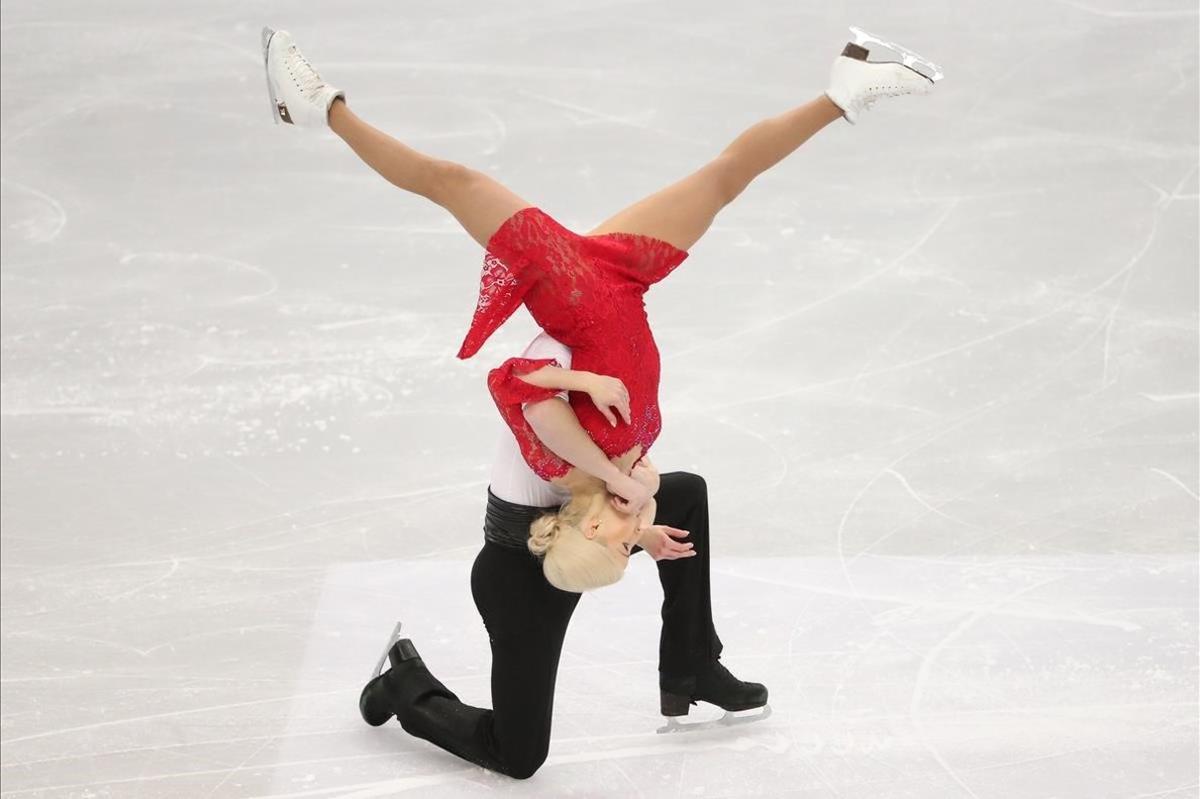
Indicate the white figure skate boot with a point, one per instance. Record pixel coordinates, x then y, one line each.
856 83
298 94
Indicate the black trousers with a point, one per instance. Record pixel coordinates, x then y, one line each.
526 619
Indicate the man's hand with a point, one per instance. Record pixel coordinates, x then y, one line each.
659 541
607 393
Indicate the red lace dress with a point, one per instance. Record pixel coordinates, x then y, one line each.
587 292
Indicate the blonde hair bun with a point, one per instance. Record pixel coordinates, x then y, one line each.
543 533
570 560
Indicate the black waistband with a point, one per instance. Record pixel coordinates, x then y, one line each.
507 523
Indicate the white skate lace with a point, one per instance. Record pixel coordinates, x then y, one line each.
871 99
310 81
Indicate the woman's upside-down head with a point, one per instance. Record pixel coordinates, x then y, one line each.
586 545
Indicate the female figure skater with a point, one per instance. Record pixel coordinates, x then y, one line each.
586 291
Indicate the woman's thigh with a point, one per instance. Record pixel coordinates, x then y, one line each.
478 201
682 212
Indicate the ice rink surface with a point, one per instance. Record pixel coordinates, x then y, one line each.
939 370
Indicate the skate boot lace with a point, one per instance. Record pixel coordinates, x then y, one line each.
303 73
875 92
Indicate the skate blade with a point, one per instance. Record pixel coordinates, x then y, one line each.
392 639
730 719
267 33
914 61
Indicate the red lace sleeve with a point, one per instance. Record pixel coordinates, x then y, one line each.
510 393
502 287
509 389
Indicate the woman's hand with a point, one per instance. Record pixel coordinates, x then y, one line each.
659 541
629 495
645 473
607 393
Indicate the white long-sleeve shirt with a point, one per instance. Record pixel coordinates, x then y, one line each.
512 479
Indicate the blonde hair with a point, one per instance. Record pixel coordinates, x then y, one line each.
570 560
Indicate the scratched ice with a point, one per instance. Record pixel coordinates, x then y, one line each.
939 371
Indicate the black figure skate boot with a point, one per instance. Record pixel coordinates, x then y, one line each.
376 701
402 690
716 686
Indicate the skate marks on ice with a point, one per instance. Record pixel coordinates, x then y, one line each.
1131 14
450 781
940 598
1065 308
30 213
958 672
164 565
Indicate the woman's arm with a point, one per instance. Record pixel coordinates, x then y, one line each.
645 473
647 513
607 393
557 378
555 424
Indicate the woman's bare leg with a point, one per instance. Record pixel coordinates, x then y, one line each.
683 211
477 201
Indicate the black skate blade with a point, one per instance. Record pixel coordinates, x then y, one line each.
730 719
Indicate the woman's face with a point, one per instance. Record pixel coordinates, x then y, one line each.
618 530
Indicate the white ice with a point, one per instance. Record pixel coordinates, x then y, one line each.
939 370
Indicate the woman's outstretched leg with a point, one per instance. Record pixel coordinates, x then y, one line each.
299 96
682 212
479 202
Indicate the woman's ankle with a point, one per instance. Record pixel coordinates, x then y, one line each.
337 111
